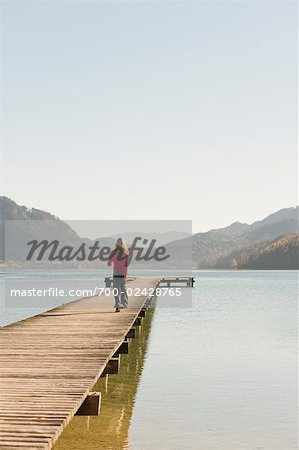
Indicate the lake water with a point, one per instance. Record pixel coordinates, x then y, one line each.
220 375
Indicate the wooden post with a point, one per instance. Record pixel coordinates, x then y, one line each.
122 349
91 405
142 312
131 333
111 367
137 322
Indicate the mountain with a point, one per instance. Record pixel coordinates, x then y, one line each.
287 217
286 214
281 253
232 230
29 224
10 210
161 238
214 248
19 225
271 230
268 243
257 236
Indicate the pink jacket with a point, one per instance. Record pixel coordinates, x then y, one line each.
120 264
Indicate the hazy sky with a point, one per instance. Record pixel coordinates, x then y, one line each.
150 110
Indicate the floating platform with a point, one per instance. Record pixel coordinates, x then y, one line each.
168 281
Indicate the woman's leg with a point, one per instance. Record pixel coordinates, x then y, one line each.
117 292
124 295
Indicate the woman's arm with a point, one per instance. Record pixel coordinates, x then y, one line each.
110 259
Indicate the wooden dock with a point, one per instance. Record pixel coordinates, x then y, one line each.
49 364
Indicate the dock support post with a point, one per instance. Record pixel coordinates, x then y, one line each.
137 322
91 405
131 333
111 367
142 312
122 349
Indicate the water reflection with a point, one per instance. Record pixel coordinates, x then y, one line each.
110 429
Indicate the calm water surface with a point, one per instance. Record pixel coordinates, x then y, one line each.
221 374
